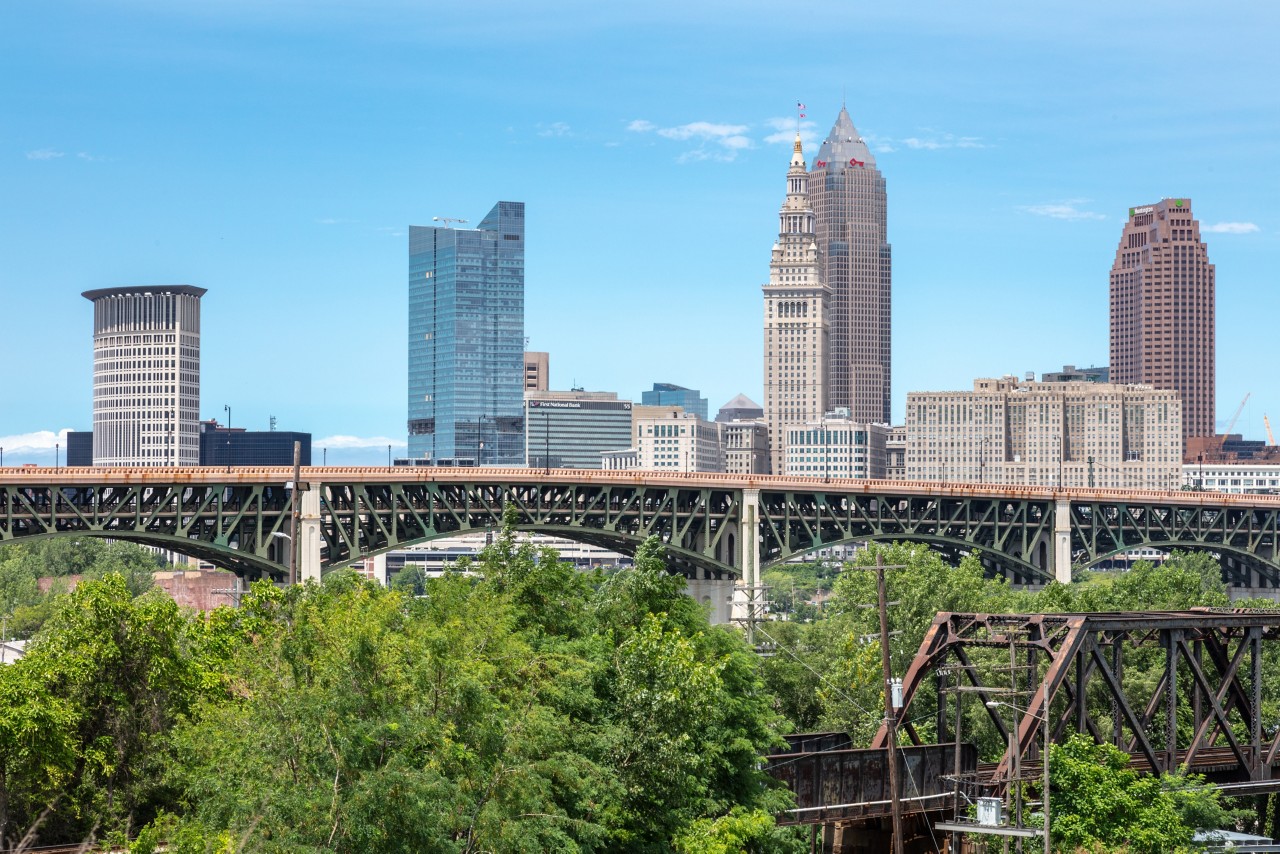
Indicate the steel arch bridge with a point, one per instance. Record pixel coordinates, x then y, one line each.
715 526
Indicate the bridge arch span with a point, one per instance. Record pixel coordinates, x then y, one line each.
691 563
950 547
245 564
1236 562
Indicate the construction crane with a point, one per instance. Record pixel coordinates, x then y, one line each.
1234 418
1266 422
447 220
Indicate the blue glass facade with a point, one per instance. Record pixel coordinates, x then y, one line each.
466 341
667 394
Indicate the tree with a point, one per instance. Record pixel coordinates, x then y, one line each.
37 748
1098 803
411 581
123 670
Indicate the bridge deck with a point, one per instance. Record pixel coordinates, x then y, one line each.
411 474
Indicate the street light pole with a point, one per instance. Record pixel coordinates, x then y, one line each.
227 407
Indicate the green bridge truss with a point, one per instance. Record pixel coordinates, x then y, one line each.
243 522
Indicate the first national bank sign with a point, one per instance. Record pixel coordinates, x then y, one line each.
616 405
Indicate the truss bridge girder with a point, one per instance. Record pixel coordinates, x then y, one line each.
1203 712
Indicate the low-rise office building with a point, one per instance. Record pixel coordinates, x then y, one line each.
570 429
224 446
836 447
684 443
895 453
1242 478
746 446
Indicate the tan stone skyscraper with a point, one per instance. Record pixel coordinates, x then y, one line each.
795 318
847 193
1162 310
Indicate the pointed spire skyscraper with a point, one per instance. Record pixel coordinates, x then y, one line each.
847 195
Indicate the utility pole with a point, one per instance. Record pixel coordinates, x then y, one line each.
890 713
293 513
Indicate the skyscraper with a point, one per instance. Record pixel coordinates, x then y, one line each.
1162 310
466 341
146 375
796 310
847 195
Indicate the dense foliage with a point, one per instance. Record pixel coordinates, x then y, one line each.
1098 804
24 606
518 705
528 707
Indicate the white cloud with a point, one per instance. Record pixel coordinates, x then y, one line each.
1230 228
879 144
39 441
341 441
938 141
714 140
1068 210
333 220
785 131
93 158
555 129
45 154
702 130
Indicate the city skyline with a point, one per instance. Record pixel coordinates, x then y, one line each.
277 159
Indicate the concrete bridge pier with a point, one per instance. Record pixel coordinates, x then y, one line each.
748 598
717 594
308 535
1062 541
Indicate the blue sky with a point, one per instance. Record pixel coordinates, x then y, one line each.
274 153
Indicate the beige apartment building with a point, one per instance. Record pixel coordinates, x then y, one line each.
681 443
1055 434
746 446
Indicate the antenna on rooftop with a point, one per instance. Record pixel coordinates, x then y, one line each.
447 220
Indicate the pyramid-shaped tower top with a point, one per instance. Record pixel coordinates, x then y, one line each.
844 147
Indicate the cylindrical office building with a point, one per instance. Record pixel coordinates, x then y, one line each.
146 375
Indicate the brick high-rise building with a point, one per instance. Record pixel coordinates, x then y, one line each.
847 196
1162 310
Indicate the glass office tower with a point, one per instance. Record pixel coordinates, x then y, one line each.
466 341
669 394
